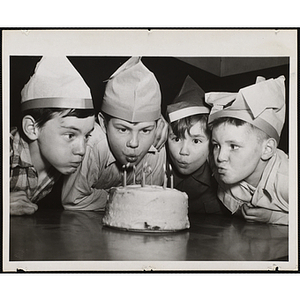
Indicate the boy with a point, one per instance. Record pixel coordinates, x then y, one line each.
123 142
57 119
252 172
188 148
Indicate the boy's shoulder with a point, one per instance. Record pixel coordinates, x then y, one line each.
98 136
13 132
19 150
282 160
16 140
276 172
97 146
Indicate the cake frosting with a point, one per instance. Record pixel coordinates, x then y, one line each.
147 208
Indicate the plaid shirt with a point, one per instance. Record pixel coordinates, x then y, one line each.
23 175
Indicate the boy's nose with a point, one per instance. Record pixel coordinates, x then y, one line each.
80 148
221 154
184 150
133 142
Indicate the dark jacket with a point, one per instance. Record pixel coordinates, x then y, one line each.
201 189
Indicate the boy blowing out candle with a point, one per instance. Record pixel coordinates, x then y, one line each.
124 138
252 172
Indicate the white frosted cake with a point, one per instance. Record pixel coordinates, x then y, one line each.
148 208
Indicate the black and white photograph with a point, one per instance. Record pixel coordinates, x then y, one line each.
149 150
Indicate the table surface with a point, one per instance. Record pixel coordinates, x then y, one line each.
58 235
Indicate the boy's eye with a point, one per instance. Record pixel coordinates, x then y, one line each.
196 141
234 147
175 138
146 131
216 146
122 130
70 136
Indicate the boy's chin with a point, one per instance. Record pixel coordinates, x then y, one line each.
67 171
228 180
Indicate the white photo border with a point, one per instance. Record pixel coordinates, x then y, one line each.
154 42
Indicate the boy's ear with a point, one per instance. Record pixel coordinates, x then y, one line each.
270 146
29 127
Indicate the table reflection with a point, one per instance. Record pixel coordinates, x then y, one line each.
124 245
77 235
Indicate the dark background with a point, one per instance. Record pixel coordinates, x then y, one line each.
169 71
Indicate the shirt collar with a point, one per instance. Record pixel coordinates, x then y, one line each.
270 172
267 180
111 159
201 175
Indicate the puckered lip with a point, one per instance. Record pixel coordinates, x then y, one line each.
75 164
221 170
132 158
182 163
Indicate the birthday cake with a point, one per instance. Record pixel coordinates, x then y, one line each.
147 208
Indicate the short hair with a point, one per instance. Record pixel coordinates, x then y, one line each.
106 118
181 126
261 135
43 115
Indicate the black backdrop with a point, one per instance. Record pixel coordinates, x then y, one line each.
169 71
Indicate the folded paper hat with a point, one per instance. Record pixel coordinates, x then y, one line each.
132 93
261 104
56 84
189 101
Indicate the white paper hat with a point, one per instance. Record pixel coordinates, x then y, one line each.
56 84
189 101
132 93
261 104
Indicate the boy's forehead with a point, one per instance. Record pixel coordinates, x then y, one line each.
62 121
197 129
132 124
232 131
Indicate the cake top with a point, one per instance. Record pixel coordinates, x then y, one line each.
146 188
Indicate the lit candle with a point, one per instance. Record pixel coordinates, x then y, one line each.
144 174
124 175
150 171
171 177
165 177
134 168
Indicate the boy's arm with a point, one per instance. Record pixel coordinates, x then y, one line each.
74 198
264 215
77 191
21 205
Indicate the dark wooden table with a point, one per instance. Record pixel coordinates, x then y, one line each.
58 235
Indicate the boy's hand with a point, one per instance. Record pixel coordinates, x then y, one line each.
255 214
161 133
20 205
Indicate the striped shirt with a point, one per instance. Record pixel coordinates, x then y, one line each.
23 175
